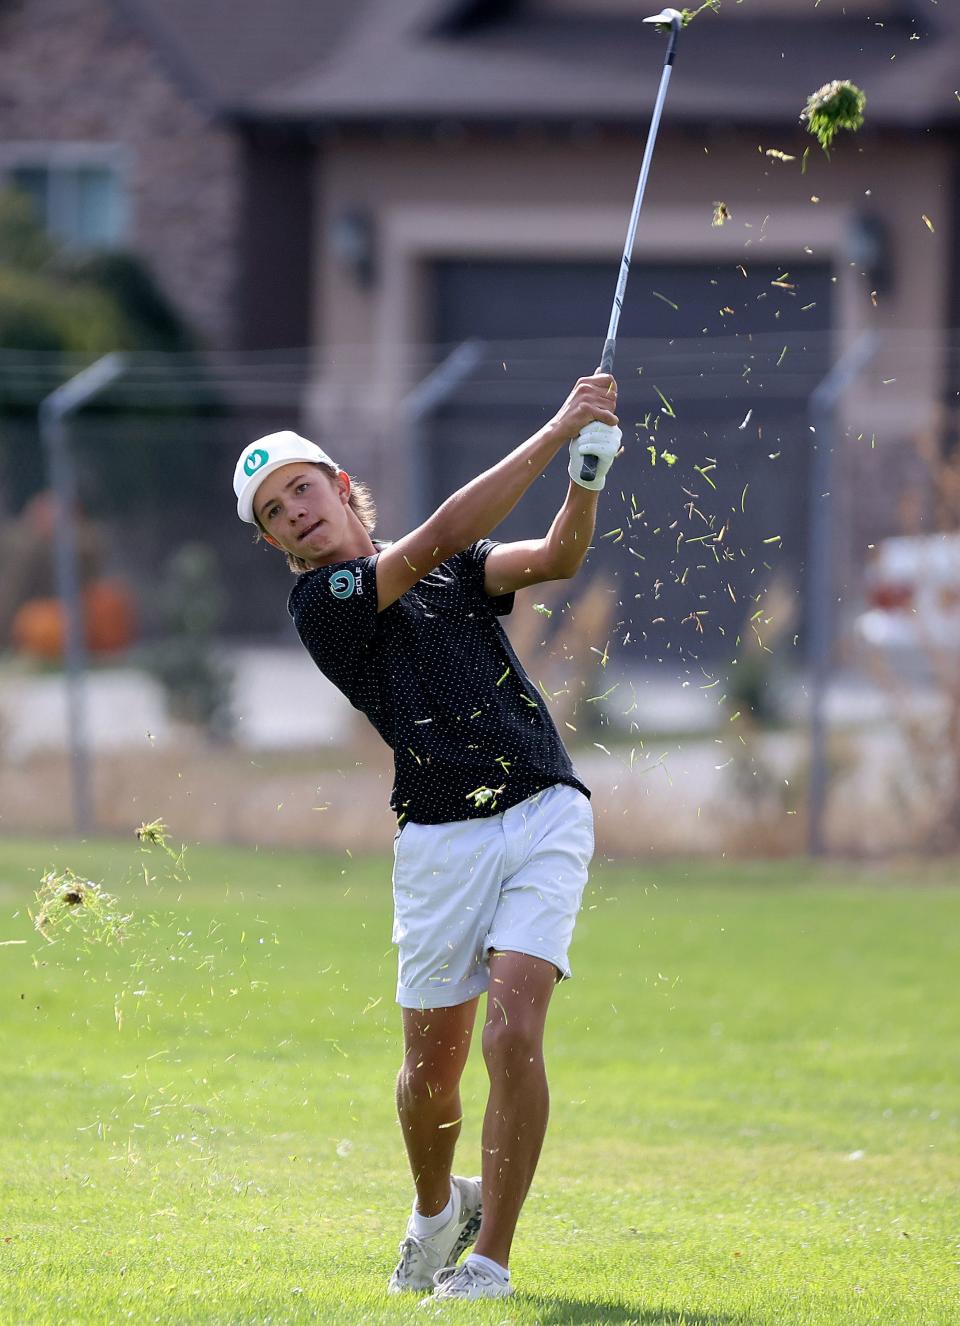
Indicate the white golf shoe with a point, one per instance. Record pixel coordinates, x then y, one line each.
467 1281
422 1258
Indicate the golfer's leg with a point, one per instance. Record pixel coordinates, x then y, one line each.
436 1043
516 1118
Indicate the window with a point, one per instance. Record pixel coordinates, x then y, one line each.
78 194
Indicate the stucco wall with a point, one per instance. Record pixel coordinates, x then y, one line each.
75 71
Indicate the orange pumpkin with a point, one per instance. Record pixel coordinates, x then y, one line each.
109 616
109 619
37 629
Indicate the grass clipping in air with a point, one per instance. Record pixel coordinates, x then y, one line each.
835 106
66 900
63 895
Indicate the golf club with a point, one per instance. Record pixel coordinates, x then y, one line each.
675 19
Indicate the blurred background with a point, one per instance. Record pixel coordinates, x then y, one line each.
396 228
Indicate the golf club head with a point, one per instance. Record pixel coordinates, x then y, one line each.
665 16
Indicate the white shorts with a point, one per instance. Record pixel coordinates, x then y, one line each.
508 882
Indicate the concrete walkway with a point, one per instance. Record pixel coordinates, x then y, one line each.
281 702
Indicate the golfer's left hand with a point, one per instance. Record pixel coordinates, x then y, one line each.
603 443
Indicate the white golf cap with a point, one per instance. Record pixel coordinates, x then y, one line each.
264 456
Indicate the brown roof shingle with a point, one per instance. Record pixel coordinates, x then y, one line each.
398 62
374 61
226 52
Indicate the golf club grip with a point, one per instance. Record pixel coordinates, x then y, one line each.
588 470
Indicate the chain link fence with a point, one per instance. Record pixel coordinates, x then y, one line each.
678 662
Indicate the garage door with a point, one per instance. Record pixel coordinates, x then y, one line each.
715 366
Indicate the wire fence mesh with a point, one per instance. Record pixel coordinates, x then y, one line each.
689 624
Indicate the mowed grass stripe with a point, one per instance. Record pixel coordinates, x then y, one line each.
755 1109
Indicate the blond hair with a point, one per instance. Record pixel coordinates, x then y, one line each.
361 504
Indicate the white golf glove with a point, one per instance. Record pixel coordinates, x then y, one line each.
599 440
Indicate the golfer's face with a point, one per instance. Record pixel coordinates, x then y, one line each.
302 507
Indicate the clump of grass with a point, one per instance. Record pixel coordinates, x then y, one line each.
721 214
156 834
64 896
482 796
835 106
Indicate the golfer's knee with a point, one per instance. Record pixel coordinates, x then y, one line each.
423 1081
512 1045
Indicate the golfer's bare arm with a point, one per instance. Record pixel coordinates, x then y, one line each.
477 508
557 556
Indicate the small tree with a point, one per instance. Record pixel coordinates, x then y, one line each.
191 602
86 303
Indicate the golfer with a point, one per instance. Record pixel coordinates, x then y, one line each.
495 830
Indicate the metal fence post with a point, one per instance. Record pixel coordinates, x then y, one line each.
823 403
428 395
54 412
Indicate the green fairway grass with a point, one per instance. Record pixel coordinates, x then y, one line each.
755 1099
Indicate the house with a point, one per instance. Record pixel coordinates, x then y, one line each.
388 182
119 117
483 156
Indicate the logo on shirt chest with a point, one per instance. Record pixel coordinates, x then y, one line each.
343 584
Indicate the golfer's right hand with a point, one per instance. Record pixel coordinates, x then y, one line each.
593 400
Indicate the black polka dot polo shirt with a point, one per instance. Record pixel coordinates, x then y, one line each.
437 677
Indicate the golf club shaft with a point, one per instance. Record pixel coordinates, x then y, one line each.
610 345
589 468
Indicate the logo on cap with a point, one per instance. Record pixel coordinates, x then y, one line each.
342 584
255 461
